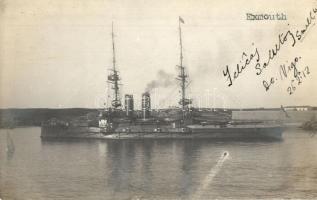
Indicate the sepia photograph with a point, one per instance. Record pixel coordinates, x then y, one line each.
147 100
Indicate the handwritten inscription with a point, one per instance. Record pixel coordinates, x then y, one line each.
246 60
262 62
293 72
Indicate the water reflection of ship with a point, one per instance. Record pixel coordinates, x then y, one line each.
124 162
118 122
128 159
190 155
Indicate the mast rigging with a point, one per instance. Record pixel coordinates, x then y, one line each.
182 77
114 78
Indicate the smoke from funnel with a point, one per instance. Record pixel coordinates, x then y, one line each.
163 80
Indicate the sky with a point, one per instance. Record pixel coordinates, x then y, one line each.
57 53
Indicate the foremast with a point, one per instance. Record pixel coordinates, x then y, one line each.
183 76
114 78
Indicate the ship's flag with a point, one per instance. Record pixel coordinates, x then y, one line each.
181 20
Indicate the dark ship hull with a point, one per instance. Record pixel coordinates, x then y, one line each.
234 132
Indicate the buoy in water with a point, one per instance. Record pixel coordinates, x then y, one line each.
225 154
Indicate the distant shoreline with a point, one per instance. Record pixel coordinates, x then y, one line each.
26 117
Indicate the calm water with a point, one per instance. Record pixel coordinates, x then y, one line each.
184 169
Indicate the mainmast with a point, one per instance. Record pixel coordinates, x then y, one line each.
182 77
114 78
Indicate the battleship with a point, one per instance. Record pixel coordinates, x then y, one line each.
121 121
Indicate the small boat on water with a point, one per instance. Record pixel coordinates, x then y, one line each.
10 149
